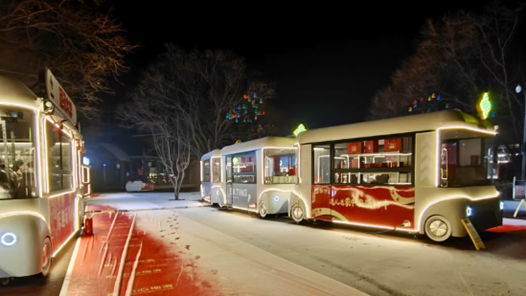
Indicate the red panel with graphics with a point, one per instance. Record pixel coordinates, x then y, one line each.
62 214
376 205
321 207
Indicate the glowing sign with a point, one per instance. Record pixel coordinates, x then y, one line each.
484 106
301 128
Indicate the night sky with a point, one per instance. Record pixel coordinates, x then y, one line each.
327 61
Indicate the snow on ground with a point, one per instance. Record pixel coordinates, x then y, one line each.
236 253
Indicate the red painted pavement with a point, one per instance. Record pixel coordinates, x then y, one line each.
507 228
162 269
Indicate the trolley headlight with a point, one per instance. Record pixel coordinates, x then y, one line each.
8 239
501 205
469 211
276 198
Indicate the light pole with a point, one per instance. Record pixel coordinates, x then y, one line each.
518 89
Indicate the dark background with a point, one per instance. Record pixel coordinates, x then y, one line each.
327 61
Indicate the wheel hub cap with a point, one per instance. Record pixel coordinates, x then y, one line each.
298 212
438 228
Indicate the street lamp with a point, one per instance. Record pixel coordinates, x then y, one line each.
518 89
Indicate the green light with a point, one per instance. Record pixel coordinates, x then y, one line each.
484 106
301 128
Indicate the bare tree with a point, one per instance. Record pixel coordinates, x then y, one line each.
152 108
183 100
208 86
460 57
74 38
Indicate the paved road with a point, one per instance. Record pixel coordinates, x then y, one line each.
375 263
383 263
255 256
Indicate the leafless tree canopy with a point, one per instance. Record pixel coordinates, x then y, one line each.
204 86
459 57
182 100
79 43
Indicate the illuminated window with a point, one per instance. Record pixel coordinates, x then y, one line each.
206 170
59 158
280 166
244 168
228 169
466 159
216 170
321 161
379 161
17 154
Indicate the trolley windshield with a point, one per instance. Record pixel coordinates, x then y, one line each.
466 158
17 153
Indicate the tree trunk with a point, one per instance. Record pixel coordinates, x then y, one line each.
176 189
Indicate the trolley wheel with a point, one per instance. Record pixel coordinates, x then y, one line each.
220 202
262 209
46 257
297 213
438 228
4 281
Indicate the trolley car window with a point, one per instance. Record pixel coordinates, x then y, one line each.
216 170
466 159
60 168
17 150
280 166
244 168
206 170
378 161
321 161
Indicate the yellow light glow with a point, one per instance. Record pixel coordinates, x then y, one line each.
61 194
300 129
201 164
298 160
46 177
484 106
363 224
74 165
245 209
38 152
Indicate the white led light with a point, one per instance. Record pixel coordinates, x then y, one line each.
469 211
276 198
501 205
8 239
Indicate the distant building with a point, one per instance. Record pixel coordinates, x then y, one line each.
112 168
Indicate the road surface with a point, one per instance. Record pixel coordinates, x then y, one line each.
183 248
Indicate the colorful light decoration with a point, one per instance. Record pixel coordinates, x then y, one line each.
246 115
484 106
300 129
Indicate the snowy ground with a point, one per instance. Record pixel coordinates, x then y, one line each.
251 250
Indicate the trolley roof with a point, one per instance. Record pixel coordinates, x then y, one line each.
15 92
208 155
267 142
391 126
